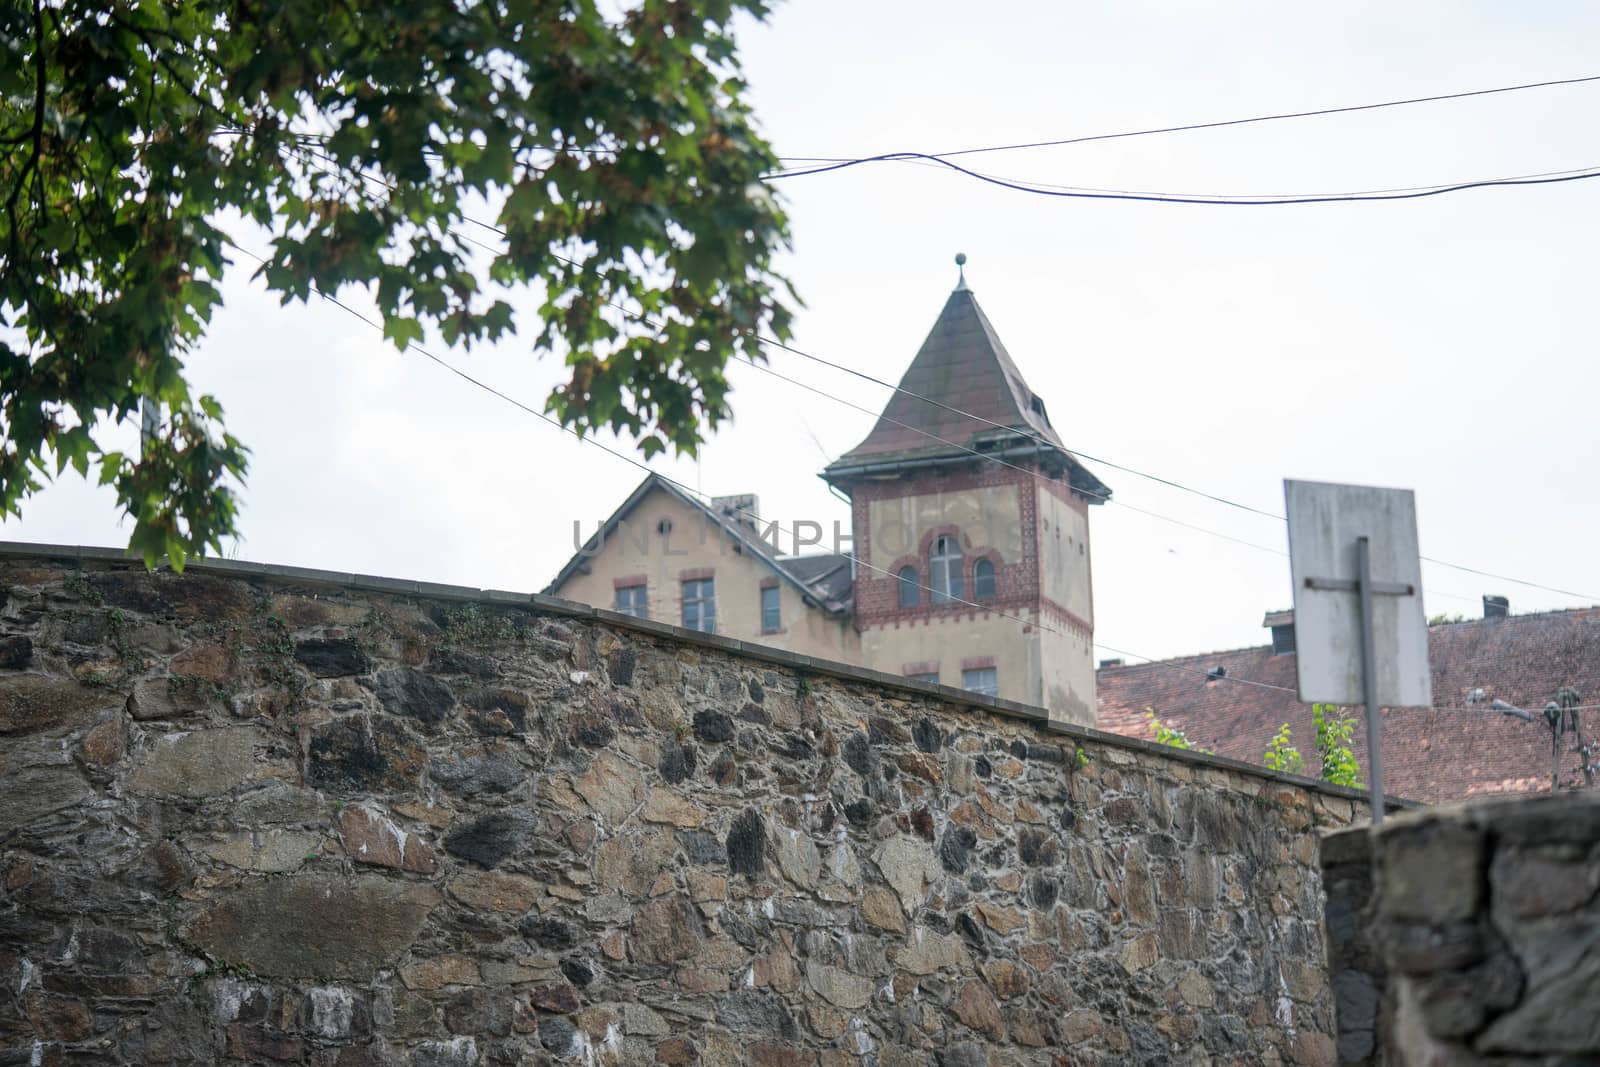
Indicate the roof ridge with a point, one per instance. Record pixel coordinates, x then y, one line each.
1531 615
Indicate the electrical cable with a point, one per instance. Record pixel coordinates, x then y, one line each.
1163 198
1025 433
1244 197
943 595
1233 122
1276 117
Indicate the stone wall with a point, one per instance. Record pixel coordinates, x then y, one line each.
1486 917
259 815
1362 1007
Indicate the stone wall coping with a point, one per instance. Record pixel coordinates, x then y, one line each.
1571 815
751 650
1352 844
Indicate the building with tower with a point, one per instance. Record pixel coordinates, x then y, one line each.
969 548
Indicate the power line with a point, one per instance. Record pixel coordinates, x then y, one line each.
944 595
1023 432
1237 122
1165 198
1217 124
770 342
1240 197
1083 193
1515 581
1102 496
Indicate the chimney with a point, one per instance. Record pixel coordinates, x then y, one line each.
1281 623
1496 607
742 508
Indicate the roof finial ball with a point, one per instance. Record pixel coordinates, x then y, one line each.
961 268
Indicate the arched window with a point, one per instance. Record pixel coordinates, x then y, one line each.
983 579
910 593
944 570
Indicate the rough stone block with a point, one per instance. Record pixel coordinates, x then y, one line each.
369 837
32 703
271 852
203 763
667 930
838 987
312 925
358 754
1431 869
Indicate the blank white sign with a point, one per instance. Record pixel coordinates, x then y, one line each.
1324 522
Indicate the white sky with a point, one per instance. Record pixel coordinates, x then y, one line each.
1446 345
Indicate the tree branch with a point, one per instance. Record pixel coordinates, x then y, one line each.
37 133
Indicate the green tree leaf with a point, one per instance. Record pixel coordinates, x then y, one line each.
1334 731
1281 755
616 143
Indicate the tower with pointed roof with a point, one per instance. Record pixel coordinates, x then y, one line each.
971 527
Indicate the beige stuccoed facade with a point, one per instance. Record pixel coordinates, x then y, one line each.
1067 595
924 645
969 531
693 546
986 515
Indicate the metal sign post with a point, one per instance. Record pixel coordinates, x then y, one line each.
1359 639
1369 677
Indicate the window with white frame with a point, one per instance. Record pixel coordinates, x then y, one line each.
634 600
771 613
944 570
924 676
700 605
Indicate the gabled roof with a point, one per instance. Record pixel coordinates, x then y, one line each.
962 370
817 577
1460 748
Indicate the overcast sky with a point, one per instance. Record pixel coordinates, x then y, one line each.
1447 345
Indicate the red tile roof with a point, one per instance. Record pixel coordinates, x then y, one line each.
1454 750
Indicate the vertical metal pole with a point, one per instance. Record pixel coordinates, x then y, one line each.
1369 681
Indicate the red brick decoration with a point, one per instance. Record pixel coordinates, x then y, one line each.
1017 586
628 581
693 574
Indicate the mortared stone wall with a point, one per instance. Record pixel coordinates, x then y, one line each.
1469 934
256 815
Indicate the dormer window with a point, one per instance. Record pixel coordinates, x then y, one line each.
944 570
1281 623
1036 404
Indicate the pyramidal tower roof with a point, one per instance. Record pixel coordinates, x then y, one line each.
963 394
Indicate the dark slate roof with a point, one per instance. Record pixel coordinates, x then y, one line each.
816 578
1454 750
963 365
827 575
